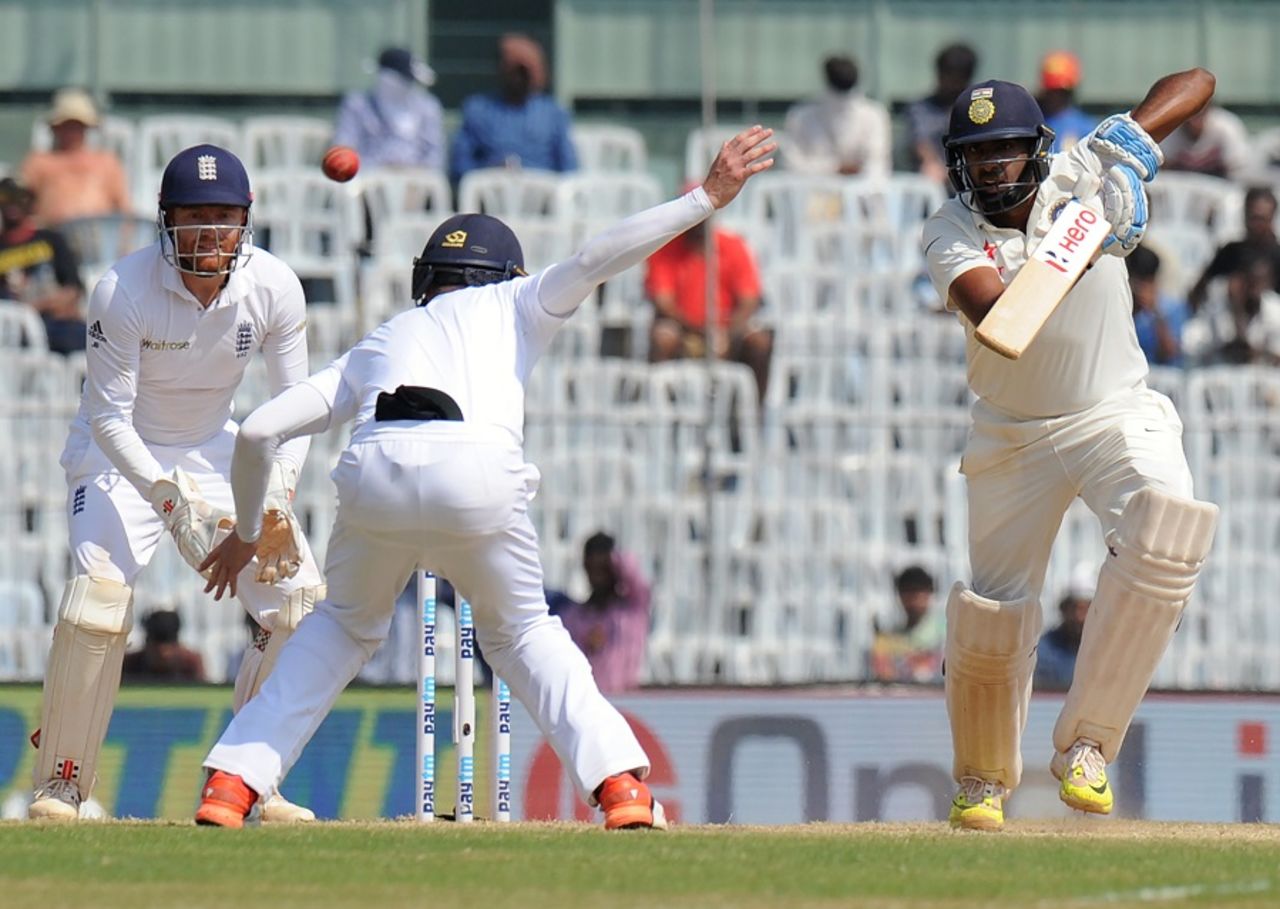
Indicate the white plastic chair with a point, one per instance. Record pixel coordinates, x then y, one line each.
100 241
609 147
21 326
284 143
161 137
1213 203
504 193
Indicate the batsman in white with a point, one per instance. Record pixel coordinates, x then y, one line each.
1072 417
435 477
171 329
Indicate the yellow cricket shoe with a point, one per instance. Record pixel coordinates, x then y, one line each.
978 805
1083 773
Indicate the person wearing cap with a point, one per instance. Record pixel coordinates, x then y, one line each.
519 125
1059 78
73 179
39 268
435 478
398 122
1072 416
172 328
843 132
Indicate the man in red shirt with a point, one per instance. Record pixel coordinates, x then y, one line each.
676 283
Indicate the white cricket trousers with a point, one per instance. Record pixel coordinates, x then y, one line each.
1022 475
453 499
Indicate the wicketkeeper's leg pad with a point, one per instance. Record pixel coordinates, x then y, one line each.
1154 557
261 654
82 678
990 657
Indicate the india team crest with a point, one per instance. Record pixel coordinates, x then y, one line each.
981 110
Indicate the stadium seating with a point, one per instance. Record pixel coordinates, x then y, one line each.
609 147
771 530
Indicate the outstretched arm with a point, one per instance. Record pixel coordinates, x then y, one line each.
565 285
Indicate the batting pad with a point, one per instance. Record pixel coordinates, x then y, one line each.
990 655
82 678
261 654
1154 558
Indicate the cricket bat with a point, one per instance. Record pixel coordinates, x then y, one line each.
1066 251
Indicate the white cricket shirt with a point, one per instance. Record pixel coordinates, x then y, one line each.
163 370
1088 348
476 344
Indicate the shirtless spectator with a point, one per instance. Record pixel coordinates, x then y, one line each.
72 179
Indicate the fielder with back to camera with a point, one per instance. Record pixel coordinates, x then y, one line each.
171 329
434 477
1072 417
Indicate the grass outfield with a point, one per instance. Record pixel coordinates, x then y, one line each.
880 866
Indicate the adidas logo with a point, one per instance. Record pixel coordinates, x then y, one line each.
635 793
96 333
208 793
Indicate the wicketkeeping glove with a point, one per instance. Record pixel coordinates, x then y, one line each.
281 544
195 525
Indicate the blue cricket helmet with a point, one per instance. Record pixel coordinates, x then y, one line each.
205 175
990 111
470 250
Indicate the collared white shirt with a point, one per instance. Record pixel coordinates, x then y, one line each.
837 130
163 370
1088 348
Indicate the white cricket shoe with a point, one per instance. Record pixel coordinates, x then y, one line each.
276 809
55 800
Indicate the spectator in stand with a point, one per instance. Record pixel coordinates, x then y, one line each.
676 284
1241 323
163 658
1056 653
912 651
1213 141
39 268
397 123
1157 318
1259 237
611 627
927 118
843 132
73 180
520 125
1059 79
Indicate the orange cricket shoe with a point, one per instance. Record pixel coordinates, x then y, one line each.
627 804
225 802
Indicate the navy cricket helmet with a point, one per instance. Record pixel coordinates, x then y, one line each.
990 111
470 250
204 175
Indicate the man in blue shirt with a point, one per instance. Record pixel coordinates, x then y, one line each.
517 126
397 123
1059 78
1157 318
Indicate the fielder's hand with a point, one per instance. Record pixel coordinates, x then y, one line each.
225 563
195 525
281 543
741 158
